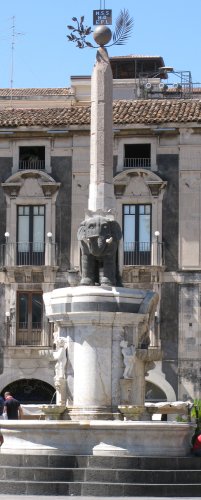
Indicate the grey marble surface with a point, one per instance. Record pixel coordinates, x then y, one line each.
39 497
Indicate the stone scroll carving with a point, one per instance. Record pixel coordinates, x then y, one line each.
99 239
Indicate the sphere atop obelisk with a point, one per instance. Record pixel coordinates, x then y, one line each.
102 35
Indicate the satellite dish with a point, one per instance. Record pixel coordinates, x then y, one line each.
163 86
148 86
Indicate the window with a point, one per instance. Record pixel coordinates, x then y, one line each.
137 234
32 157
137 156
29 324
31 232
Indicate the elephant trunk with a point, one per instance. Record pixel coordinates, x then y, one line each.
97 246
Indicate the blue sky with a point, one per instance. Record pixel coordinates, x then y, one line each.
44 58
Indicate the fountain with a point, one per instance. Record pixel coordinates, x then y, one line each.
103 327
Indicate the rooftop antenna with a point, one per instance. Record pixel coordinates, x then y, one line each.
14 35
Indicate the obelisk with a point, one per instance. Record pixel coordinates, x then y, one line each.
99 233
101 189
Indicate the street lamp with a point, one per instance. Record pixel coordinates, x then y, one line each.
157 234
7 314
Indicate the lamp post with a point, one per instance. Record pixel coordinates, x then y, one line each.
157 234
6 248
7 326
49 236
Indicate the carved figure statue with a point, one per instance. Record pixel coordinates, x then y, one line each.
99 239
128 355
61 359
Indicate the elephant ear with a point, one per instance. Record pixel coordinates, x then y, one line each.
116 230
81 234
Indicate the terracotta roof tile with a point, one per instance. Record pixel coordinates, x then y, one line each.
150 111
157 111
6 92
20 117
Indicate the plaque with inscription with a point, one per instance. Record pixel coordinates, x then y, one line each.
102 16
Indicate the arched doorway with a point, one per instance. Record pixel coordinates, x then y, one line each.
31 391
154 394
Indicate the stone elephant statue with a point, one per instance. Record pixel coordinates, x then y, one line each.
99 239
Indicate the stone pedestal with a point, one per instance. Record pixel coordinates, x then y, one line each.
77 413
131 412
92 365
125 391
94 321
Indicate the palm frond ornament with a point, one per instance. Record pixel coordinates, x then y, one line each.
123 29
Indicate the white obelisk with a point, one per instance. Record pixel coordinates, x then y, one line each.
101 189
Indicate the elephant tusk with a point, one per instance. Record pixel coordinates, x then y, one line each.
109 240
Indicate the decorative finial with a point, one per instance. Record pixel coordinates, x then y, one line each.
102 34
82 31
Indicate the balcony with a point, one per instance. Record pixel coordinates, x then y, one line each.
31 337
28 254
32 165
32 157
27 334
143 254
137 163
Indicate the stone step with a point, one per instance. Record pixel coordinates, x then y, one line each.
98 489
100 462
99 475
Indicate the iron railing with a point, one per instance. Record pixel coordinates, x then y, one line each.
29 336
31 164
28 254
137 162
143 253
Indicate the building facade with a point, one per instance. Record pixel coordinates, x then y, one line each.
44 172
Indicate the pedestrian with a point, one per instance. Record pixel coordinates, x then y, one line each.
1 407
196 442
12 407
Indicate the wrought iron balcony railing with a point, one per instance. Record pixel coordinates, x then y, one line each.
143 254
28 254
29 336
137 162
31 164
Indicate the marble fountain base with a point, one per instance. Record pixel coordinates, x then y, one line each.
96 437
